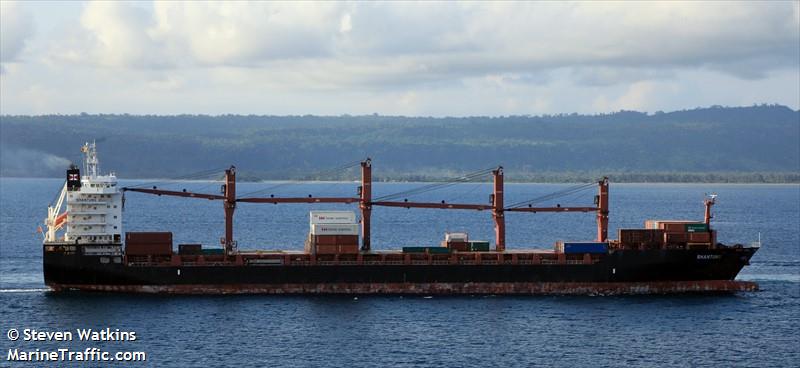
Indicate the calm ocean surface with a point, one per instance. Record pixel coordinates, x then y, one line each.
746 329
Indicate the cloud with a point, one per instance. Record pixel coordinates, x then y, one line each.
637 97
437 58
16 27
449 39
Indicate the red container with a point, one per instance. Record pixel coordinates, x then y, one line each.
459 246
700 237
676 238
674 227
325 239
145 249
348 249
326 249
148 237
347 240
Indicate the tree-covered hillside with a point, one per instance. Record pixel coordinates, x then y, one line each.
758 143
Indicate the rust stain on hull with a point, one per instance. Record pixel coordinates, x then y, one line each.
517 288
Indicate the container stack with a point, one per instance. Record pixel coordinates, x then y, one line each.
332 232
641 238
148 243
691 234
456 241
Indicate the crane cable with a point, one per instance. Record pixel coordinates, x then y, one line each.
435 186
192 176
554 195
301 181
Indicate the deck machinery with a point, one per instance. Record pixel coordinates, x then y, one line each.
669 256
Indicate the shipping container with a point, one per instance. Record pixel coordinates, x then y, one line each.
190 249
149 237
457 245
148 249
673 227
694 228
438 250
213 251
348 249
323 239
334 229
432 250
456 237
326 249
676 238
704 237
332 217
347 239
581 247
641 236
479 246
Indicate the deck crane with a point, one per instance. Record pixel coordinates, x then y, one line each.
366 203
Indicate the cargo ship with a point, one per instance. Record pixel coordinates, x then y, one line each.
84 249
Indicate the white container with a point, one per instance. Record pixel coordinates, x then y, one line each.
456 237
332 217
334 229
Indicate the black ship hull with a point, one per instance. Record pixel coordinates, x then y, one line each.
619 272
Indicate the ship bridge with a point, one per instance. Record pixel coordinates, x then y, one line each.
93 213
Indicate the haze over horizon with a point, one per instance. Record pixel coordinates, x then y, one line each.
423 59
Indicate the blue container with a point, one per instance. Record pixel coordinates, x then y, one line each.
585 247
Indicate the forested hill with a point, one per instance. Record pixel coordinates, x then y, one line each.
758 143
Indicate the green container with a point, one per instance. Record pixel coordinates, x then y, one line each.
438 250
479 246
414 249
696 228
213 252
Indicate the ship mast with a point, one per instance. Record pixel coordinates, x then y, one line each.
91 166
708 202
365 203
229 190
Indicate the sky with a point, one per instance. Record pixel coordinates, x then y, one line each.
395 58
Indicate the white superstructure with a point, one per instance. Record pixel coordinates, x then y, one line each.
93 205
